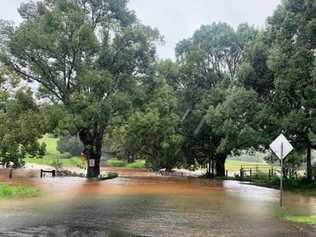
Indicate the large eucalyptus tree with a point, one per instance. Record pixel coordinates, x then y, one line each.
86 55
280 65
208 64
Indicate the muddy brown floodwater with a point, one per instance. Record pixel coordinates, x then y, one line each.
139 204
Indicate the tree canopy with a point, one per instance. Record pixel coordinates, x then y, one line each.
88 55
96 73
20 127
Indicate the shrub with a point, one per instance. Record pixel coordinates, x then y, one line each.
42 149
139 164
57 164
66 155
69 144
82 164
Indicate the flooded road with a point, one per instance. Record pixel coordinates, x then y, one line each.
142 205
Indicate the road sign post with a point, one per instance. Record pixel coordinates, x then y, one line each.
281 147
281 178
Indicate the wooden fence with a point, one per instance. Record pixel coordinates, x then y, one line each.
250 171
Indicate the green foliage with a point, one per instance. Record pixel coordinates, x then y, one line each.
52 155
254 72
20 129
72 162
310 220
117 163
279 65
152 133
149 132
87 56
208 64
248 156
217 49
51 147
69 146
138 164
230 90
234 121
57 164
66 155
80 163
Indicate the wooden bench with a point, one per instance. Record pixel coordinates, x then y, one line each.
53 172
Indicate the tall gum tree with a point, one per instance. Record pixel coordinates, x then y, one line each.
20 125
280 67
87 55
208 60
292 59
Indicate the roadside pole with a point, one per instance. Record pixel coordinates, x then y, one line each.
281 148
281 178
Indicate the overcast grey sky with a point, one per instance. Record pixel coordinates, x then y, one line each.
178 19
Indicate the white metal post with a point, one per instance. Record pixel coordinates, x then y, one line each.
281 178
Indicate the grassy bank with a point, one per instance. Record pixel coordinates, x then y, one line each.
10 191
74 161
235 165
139 164
231 165
53 155
309 220
290 184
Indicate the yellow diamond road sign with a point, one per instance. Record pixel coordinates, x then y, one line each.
281 147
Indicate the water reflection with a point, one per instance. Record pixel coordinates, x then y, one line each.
152 206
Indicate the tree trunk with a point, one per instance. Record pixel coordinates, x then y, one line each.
93 162
220 165
92 141
213 166
130 157
309 169
209 165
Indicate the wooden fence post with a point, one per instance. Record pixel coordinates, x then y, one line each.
10 173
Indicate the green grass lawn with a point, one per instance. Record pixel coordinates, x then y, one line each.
9 191
311 220
74 161
231 165
234 166
139 164
52 154
51 146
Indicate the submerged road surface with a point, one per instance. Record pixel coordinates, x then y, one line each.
153 206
